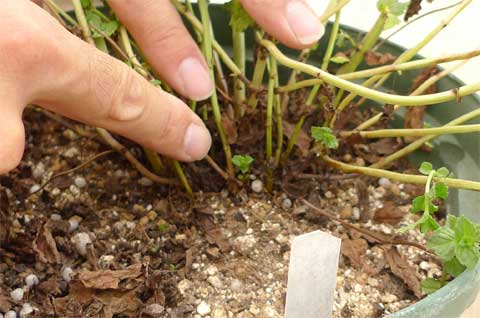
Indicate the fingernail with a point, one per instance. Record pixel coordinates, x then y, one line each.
197 142
195 79
304 23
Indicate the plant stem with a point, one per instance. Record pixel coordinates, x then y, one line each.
155 161
207 42
392 133
181 175
419 90
239 56
407 178
367 92
82 21
269 124
258 73
61 12
418 143
408 66
197 25
278 114
293 139
406 56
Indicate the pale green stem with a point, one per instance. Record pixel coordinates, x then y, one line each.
293 139
183 178
82 21
155 161
407 178
406 56
420 132
367 92
258 74
408 66
278 115
418 143
419 90
207 43
239 56
61 12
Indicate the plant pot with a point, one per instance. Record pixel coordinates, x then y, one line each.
460 153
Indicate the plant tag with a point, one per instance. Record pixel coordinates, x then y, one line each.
312 275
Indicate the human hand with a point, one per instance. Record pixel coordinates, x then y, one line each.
41 63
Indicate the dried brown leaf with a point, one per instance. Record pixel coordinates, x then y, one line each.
376 58
303 140
45 246
403 270
230 129
355 251
389 213
413 9
109 279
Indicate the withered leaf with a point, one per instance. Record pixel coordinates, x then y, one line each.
303 140
401 269
389 213
230 129
376 58
45 246
355 251
108 279
413 9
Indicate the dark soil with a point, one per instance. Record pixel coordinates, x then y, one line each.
156 253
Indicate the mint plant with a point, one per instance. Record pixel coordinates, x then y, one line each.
457 242
243 163
325 137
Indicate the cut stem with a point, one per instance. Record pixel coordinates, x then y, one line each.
208 51
407 178
392 133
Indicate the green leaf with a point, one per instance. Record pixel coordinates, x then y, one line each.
340 59
243 162
324 136
107 27
451 222
430 285
465 232
442 172
426 168
454 267
86 4
240 20
468 256
391 22
418 205
156 82
440 190
393 7
443 243
344 36
428 224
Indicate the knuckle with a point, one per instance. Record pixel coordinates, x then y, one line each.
120 92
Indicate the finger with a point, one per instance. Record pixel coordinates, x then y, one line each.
166 44
70 77
292 22
12 140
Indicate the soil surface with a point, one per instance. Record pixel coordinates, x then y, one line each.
105 242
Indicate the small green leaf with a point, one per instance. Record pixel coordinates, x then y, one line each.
393 7
240 20
465 231
156 82
442 172
451 222
428 224
86 4
443 243
426 168
324 136
468 256
418 205
340 59
243 162
454 267
344 36
430 285
106 28
391 22
440 191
